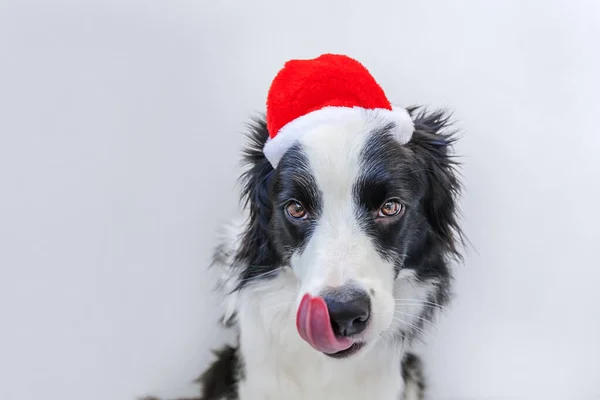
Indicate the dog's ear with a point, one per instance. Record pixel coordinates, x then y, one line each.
256 248
432 140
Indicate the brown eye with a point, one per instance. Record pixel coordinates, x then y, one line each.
390 208
295 210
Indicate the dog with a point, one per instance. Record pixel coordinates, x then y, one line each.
342 261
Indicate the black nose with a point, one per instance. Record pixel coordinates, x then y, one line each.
349 310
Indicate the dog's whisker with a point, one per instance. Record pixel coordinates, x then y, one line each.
419 318
409 302
409 323
413 326
249 279
421 301
283 306
420 305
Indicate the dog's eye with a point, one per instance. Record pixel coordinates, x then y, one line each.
296 210
391 208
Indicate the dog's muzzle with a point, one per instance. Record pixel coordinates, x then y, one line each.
328 323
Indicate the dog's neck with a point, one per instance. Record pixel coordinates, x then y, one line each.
278 364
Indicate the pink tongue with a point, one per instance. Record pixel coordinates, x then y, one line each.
314 326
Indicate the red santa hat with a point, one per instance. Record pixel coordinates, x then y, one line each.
328 90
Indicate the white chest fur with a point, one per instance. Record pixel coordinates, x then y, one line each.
278 364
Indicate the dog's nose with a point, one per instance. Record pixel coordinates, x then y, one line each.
349 310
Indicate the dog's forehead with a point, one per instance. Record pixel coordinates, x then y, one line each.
335 153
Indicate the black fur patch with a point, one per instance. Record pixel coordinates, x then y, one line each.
391 171
257 255
412 373
293 180
220 380
269 233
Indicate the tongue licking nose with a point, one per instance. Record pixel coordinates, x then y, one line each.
314 325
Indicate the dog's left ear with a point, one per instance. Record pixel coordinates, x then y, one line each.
256 247
432 141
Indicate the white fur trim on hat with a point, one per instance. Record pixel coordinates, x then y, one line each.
290 133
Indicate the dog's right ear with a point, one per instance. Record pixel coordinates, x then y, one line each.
256 249
432 140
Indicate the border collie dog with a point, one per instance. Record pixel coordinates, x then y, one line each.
343 260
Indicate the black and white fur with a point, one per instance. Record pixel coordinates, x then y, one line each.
342 175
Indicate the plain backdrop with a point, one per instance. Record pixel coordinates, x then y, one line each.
120 128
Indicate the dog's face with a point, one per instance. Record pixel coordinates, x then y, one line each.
346 205
350 211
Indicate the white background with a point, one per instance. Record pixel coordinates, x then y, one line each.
120 126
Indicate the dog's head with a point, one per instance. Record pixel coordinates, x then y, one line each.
366 225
